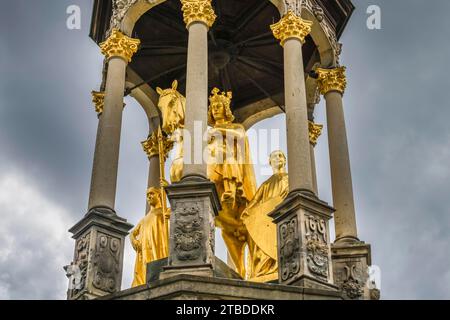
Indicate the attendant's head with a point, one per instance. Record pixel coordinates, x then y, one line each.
154 197
220 108
277 161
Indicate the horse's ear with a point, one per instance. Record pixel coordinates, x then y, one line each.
175 85
159 90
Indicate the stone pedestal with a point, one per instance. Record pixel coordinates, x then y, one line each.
190 287
304 255
195 204
350 265
98 260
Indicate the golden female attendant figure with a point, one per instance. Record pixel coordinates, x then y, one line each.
231 170
262 231
150 238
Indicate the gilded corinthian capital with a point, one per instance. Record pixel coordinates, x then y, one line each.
291 26
98 99
331 80
315 131
119 45
198 11
151 146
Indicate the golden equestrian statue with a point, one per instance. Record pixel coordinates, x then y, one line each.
150 238
231 170
262 231
172 105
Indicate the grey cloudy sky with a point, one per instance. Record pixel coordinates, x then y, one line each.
397 114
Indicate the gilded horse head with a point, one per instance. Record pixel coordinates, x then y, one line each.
172 105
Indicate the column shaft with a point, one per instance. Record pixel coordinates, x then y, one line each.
299 158
341 178
196 100
106 157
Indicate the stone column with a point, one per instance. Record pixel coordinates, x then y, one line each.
118 50
291 30
98 259
332 84
304 256
194 200
351 257
199 17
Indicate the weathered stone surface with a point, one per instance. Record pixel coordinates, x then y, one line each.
98 257
195 204
189 287
304 254
220 270
350 265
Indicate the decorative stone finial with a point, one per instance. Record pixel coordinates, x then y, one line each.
331 80
315 131
198 11
119 45
291 26
98 98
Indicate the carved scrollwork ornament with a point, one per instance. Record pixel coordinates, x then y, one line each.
352 285
120 8
198 11
317 248
315 9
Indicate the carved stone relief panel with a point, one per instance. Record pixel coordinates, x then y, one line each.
317 246
289 248
106 263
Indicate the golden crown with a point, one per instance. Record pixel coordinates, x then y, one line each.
217 96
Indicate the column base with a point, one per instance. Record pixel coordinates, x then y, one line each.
98 260
195 204
347 240
304 256
351 260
